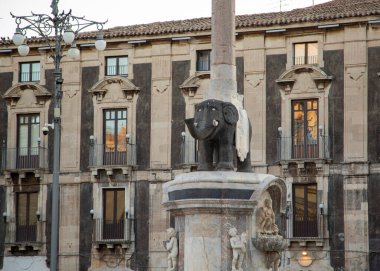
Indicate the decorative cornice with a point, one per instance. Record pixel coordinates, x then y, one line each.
287 80
13 94
190 85
100 88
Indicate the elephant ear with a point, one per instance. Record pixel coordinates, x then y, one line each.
230 113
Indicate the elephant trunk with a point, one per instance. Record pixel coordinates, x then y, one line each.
198 132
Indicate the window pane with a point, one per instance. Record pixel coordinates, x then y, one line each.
299 53
33 203
312 52
121 135
34 135
123 65
203 60
312 202
21 208
110 134
111 66
108 204
312 127
299 202
120 208
23 138
24 72
35 71
298 127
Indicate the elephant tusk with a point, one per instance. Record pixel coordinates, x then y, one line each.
195 124
215 123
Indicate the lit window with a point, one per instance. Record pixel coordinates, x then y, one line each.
117 66
203 60
29 72
306 53
305 128
305 222
115 131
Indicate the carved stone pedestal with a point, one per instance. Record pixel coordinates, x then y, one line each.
206 205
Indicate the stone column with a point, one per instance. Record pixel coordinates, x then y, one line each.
223 69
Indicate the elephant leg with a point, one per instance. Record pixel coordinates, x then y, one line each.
226 150
205 155
244 166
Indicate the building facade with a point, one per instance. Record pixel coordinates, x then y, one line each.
310 79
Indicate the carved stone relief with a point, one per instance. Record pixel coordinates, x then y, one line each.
254 79
161 86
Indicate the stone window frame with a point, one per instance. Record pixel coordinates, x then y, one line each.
199 45
41 107
321 93
304 38
29 59
197 60
116 52
117 73
30 73
98 206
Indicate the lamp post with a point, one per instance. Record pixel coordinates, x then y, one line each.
57 30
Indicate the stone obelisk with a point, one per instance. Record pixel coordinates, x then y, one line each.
212 208
223 69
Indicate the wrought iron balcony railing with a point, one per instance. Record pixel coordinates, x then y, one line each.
112 231
23 233
288 148
302 60
300 227
117 70
24 158
118 155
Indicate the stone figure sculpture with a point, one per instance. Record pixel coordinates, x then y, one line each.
239 248
265 219
172 247
268 240
214 125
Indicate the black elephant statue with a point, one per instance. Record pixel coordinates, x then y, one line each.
214 125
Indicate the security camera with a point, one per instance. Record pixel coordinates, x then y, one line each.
45 130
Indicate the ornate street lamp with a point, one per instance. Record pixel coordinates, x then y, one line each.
57 30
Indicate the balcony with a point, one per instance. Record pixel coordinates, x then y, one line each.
24 159
30 76
112 232
305 230
121 70
21 236
303 60
105 157
289 149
